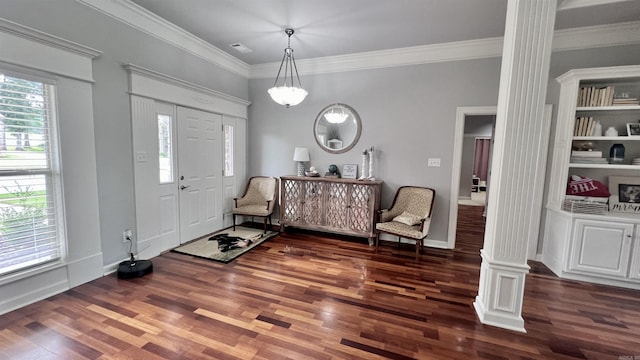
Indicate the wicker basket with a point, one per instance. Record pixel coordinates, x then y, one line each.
585 207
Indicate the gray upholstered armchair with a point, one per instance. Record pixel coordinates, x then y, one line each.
409 216
258 200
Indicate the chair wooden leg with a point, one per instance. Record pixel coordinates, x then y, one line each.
265 224
417 250
234 222
377 235
399 242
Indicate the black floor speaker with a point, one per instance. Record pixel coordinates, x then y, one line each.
134 269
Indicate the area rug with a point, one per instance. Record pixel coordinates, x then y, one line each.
226 245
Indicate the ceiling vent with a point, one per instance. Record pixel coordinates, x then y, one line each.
241 48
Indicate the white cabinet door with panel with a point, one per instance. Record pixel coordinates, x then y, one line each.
634 267
601 248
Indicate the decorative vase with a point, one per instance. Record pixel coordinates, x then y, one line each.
365 164
371 159
616 154
598 129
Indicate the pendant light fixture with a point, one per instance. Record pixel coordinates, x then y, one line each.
288 95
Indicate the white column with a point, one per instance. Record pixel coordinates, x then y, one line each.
516 152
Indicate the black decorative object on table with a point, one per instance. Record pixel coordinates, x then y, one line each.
332 171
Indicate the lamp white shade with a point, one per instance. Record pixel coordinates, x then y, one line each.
301 154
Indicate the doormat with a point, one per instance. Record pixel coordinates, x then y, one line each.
225 245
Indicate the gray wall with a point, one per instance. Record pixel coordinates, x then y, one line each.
408 115
120 45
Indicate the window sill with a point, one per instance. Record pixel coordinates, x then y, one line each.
27 273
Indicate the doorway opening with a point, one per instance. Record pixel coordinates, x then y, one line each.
474 182
464 181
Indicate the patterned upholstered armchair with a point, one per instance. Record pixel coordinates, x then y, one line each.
409 216
258 200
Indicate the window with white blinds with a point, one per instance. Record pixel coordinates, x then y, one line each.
28 216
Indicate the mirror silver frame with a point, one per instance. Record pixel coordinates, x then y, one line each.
338 146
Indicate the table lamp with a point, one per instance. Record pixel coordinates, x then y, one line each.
301 155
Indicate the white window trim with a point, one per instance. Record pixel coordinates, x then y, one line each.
70 65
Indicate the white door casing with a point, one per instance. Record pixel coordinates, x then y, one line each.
199 173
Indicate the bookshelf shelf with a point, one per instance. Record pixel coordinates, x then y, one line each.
605 166
607 138
609 108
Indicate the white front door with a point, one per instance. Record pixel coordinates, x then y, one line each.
199 173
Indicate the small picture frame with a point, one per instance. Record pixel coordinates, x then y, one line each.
349 171
625 194
633 129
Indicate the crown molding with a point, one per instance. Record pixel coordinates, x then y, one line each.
574 4
564 40
453 51
139 18
597 36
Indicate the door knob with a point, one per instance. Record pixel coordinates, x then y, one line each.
182 187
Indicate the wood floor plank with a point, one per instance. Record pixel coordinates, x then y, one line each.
304 295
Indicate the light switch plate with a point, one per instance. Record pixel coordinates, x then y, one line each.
433 162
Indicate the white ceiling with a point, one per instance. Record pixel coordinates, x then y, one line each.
339 27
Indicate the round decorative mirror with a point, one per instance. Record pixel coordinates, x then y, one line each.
337 128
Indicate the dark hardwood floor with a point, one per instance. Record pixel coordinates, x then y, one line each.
470 229
304 295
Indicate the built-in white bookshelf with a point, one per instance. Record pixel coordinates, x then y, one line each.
602 247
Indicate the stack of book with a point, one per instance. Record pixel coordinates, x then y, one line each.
585 126
587 157
585 204
625 101
595 96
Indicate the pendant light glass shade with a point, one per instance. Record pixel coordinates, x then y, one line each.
288 94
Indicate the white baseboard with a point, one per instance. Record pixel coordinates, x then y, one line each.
84 270
33 296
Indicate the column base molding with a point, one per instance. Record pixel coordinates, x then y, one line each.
499 301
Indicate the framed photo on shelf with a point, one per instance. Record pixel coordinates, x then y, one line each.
625 194
349 171
633 129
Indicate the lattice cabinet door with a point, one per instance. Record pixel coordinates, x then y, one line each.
292 200
337 205
313 202
361 198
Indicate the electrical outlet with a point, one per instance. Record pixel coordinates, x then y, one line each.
127 235
435 162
